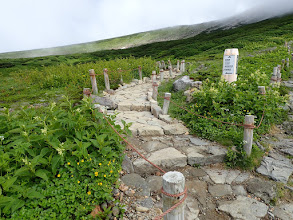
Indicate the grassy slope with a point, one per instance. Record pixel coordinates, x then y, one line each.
166 34
206 47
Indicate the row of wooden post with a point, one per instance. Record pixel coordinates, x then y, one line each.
179 67
106 79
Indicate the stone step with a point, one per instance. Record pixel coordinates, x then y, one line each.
168 158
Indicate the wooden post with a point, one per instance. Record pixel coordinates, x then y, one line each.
86 92
170 72
140 73
289 49
161 75
283 63
183 66
93 81
154 76
177 70
262 90
287 62
169 62
173 183
166 103
286 44
248 134
106 77
155 90
279 76
274 75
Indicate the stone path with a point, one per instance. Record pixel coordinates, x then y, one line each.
213 191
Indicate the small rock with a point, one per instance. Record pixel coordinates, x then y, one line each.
263 189
220 190
129 193
155 183
142 209
123 187
239 190
115 211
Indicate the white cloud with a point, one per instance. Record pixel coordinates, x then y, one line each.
32 24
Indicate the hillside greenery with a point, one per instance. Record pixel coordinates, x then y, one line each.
63 143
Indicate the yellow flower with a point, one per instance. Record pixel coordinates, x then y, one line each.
111 171
89 192
113 160
68 163
78 181
82 160
100 184
58 175
71 175
96 173
100 164
77 163
90 159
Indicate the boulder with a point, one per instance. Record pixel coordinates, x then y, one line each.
104 101
182 84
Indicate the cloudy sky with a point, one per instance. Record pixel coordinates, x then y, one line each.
32 24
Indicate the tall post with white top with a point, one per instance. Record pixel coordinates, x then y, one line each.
230 64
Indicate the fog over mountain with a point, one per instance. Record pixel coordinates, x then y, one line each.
130 17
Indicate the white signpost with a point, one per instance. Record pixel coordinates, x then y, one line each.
230 63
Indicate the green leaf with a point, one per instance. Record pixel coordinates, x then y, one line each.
17 204
8 183
4 200
105 150
42 174
23 171
44 151
55 163
31 194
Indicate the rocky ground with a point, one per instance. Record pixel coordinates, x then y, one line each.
214 192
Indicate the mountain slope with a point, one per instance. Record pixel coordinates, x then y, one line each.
166 34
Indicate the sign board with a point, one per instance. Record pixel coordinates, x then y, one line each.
230 62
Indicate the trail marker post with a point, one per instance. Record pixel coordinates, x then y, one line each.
248 134
155 90
154 76
93 81
161 75
173 183
166 103
140 73
230 64
106 78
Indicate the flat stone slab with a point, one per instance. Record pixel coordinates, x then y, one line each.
152 146
244 208
135 180
204 155
150 131
284 211
175 129
198 141
165 158
279 170
222 176
220 190
266 190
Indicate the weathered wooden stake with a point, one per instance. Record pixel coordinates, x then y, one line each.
262 90
166 103
161 75
248 134
170 72
183 66
93 81
86 92
173 183
106 77
177 68
140 73
287 62
155 90
154 76
279 76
